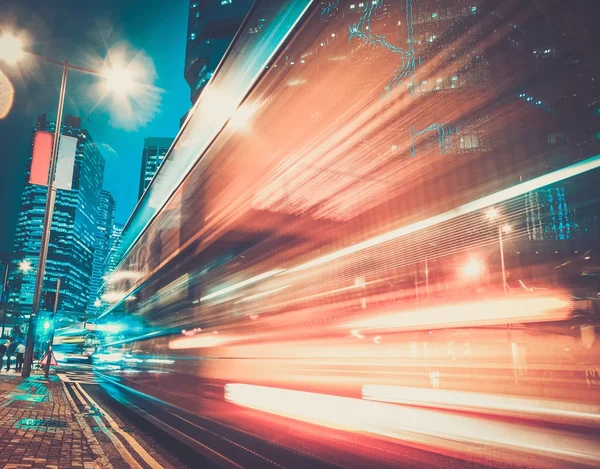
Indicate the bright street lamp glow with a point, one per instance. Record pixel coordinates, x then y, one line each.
10 48
119 80
473 268
492 214
25 266
507 228
46 325
97 303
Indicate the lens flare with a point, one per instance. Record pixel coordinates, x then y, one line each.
10 48
7 95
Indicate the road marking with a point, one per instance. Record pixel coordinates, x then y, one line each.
115 426
79 377
97 450
221 458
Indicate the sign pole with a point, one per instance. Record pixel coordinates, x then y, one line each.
51 340
39 281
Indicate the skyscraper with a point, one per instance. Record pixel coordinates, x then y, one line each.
73 231
106 221
212 24
112 259
155 149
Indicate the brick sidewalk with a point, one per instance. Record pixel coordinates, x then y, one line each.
39 428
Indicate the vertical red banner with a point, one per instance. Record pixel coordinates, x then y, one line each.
40 164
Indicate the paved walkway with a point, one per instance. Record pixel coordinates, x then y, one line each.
40 427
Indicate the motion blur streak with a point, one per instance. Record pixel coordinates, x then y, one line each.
202 341
496 404
239 285
318 238
413 424
484 202
477 313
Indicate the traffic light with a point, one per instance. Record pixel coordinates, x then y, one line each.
49 300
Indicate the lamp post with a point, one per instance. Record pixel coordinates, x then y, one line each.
11 51
52 325
492 214
5 297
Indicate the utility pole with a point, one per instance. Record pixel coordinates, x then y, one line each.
51 340
5 297
39 281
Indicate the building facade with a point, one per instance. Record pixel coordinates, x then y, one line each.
106 221
73 230
155 150
212 25
112 259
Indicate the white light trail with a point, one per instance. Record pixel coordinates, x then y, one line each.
480 402
260 295
414 424
479 313
241 284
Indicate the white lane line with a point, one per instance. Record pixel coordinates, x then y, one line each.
115 426
97 450
64 378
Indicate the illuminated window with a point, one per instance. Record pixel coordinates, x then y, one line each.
226 2
360 5
353 6
197 14
469 142
434 15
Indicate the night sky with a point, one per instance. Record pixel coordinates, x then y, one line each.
81 32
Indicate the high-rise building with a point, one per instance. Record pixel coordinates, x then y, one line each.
155 150
115 241
212 25
73 230
106 221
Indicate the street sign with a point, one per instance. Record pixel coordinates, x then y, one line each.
65 162
40 163
53 361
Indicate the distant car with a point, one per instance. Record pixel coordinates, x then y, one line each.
107 358
62 357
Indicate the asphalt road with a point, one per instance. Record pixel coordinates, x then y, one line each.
219 434
165 450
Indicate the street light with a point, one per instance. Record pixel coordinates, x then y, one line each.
11 48
25 266
494 215
473 268
117 79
